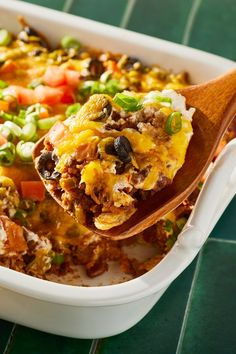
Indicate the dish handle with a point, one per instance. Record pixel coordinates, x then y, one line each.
217 192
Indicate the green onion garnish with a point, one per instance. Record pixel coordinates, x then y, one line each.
28 131
3 84
68 42
6 133
47 123
5 37
112 87
128 103
173 123
32 118
73 109
6 116
7 154
163 99
19 121
14 128
24 150
58 258
181 222
35 83
168 226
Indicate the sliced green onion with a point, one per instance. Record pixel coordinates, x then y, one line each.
34 108
6 116
7 154
35 83
32 118
105 76
24 150
28 131
163 99
14 128
6 133
19 121
200 185
112 87
5 37
168 226
47 123
128 103
3 84
35 138
73 109
22 113
58 258
181 222
68 42
153 97
173 123
86 87
97 87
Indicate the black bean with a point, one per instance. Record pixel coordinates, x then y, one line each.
123 148
45 166
96 68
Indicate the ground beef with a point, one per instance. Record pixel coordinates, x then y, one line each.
148 116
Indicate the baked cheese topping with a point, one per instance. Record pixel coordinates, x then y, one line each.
116 151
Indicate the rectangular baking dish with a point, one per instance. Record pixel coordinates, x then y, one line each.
101 311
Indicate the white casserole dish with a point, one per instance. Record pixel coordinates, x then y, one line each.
101 311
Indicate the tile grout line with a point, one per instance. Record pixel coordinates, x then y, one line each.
10 339
187 308
94 346
67 5
127 13
221 240
190 21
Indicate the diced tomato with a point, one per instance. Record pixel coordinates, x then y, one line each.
4 106
48 95
24 96
33 190
15 238
56 133
2 140
68 94
57 76
54 76
72 78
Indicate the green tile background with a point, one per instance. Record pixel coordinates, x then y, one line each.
203 320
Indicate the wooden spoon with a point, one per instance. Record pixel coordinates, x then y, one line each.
215 103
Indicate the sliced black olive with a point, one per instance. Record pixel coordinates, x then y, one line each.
123 148
45 166
96 68
106 111
36 52
110 149
30 31
132 63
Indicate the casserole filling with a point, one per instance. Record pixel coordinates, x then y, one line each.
114 152
41 86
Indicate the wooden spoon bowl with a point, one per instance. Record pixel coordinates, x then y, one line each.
215 104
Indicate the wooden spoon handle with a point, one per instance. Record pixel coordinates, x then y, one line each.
216 99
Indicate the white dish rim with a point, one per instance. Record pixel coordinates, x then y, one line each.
176 260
